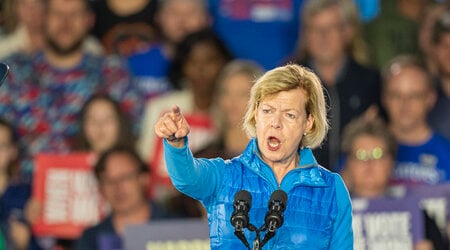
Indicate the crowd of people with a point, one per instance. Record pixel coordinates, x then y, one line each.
96 75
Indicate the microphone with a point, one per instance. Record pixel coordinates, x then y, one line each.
274 217
239 218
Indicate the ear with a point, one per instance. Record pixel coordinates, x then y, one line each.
431 99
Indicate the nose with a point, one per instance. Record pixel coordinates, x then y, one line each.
276 121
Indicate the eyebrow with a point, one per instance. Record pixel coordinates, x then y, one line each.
283 110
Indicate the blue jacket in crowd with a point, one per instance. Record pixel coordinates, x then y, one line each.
318 211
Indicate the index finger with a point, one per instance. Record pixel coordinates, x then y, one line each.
176 110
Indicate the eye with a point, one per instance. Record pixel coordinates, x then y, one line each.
266 110
291 116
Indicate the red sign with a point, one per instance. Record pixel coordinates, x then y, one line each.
66 187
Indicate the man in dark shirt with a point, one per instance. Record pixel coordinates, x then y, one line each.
122 179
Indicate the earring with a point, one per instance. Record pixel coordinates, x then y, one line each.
304 133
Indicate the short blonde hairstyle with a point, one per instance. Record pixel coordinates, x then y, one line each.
286 78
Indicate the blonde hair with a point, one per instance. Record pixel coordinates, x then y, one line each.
286 78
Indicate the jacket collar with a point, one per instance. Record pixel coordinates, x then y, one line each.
307 173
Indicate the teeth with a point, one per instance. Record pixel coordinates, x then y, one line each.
274 142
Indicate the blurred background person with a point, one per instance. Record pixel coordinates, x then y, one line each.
14 193
408 96
23 27
125 27
328 47
426 33
262 31
233 91
44 92
395 30
370 150
439 116
198 60
103 125
122 180
175 19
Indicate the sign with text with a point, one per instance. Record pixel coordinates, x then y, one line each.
435 199
192 234
66 187
389 224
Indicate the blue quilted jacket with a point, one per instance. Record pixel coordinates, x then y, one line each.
318 211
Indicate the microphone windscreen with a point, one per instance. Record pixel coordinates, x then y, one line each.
279 195
243 195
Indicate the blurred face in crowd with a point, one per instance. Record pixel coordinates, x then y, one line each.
8 151
67 24
31 13
121 184
369 166
234 96
203 66
281 120
327 36
442 54
177 18
407 98
101 125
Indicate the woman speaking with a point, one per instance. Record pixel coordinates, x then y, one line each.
274 195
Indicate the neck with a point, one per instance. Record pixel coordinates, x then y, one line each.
414 135
235 139
202 102
329 70
280 169
138 215
64 61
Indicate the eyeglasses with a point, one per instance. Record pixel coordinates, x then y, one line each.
119 180
366 155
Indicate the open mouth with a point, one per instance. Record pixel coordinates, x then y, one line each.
273 143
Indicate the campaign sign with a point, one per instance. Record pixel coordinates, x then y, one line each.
435 199
180 234
109 242
65 186
388 224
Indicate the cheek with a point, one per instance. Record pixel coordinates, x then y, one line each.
112 130
90 130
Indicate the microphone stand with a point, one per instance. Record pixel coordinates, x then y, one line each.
257 243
